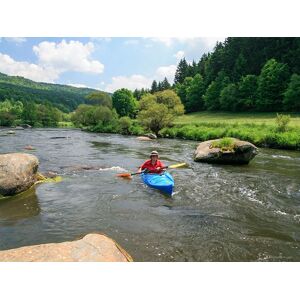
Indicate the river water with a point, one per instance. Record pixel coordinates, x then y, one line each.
217 213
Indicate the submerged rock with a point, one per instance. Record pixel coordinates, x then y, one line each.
152 136
92 247
29 147
25 126
17 172
240 152
143 138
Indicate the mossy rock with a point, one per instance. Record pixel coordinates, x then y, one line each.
225 151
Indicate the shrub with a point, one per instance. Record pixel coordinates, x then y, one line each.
125 124
282 122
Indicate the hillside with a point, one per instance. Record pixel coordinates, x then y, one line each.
64 97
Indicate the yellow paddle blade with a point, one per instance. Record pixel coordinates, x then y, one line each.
178 166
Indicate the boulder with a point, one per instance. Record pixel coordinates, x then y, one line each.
19 128
10 132
17 172
29 147
241 153
93 247
152 136
143 138
25 126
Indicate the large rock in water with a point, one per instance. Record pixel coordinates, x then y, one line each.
241 153
17 172
93 248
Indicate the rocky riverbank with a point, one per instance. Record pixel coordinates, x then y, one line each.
93 247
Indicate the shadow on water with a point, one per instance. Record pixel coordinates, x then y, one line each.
18 207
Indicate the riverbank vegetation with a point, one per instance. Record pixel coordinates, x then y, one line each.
234 91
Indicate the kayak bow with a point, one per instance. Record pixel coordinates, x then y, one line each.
163 182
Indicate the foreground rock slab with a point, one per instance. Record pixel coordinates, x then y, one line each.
17 172
241 153
91 248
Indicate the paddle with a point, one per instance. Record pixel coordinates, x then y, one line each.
126 175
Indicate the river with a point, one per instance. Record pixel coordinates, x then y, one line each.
217 212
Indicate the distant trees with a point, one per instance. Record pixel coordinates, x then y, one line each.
272 83
191 93
182 71
88 115
99 98
124 102
16 112
291 101
243 74
212 95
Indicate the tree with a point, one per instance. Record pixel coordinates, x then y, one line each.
272 83
182 71
182 91
88 115
99 98
125 124
212 95
154 87
194 94
159 110
229 97
171 101
29 115
124 102
247 93
291 101
165 85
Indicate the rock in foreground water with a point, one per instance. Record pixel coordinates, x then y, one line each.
91 248
240 152
17 172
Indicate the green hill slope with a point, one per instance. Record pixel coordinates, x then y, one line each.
64 97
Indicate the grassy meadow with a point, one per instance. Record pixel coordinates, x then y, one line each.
231 118
260 129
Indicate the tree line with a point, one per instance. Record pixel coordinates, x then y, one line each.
241 74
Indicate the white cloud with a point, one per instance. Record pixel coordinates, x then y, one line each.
68 56
132 82
22 68
138 81
17 40
53 60
166 71
179 54
78 85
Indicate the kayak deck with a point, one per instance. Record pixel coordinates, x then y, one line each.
163 182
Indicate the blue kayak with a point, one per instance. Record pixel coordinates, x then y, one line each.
163 182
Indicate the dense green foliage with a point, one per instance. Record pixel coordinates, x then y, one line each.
291 99
64 97
159 110
99 98
14 113
124 102
255 73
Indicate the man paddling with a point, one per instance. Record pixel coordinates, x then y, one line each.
153 165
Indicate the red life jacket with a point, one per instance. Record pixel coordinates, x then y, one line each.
152 168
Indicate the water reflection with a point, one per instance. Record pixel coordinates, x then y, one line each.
21 206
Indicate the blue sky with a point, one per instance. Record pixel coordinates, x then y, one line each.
101 63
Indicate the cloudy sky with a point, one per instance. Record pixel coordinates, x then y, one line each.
101 63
